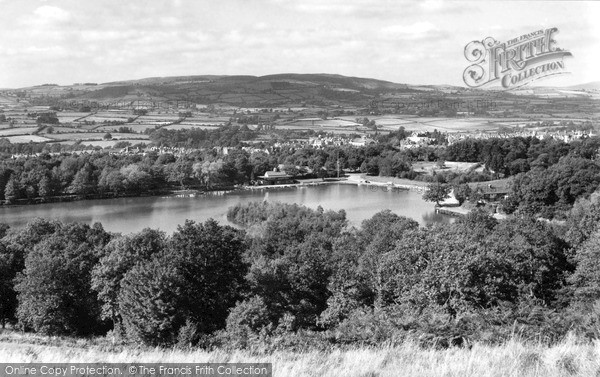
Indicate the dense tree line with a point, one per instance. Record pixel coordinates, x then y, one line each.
550 190
7 148
295 275
229 136
80 280
104 174
510 156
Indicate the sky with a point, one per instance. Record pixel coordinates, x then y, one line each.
414 42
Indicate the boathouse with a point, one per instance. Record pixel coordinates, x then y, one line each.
275 178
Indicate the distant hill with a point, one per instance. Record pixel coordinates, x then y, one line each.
589 90
278 90
309 79
276 81
588 86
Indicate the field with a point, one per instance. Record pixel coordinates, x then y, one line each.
514 358
68 117
77 136
413 123
429 167
290 102
102 118
27 138
111 143
139 128
393 122
17 131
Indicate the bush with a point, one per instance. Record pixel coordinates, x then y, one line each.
251 315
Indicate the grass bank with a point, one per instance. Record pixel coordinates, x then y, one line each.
514 358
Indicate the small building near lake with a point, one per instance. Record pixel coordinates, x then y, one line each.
491 190
275 178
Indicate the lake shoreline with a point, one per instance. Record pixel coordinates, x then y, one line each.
131 214
353 179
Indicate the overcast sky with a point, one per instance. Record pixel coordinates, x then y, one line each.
68 41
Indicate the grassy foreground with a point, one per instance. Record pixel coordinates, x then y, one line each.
568 358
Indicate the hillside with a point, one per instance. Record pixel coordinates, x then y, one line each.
282 91
279 90
588 86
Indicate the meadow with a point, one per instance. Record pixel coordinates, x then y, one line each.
27 138
17 131
571 357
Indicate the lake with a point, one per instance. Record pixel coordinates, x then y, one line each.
127 215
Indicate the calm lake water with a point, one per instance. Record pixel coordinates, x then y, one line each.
126 215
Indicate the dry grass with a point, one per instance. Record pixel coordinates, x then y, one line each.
569 358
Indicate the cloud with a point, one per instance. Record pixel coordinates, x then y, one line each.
318 6
49 13
382 9
417 30
103 40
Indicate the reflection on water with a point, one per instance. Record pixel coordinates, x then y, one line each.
128 215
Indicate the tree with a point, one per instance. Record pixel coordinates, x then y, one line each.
295 284
111 180
54 290
4 178
478 219
3 230
537 259
462 192
463 267
291 258
83 182
583 219
180 171
107 136
10 265
190 288
12 190
356 257
120 255
544 190
14 248
437 192
248 317
150 302
45 188
208 258
586 278
47 118
135 179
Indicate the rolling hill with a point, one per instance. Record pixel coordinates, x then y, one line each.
244 91
277 90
